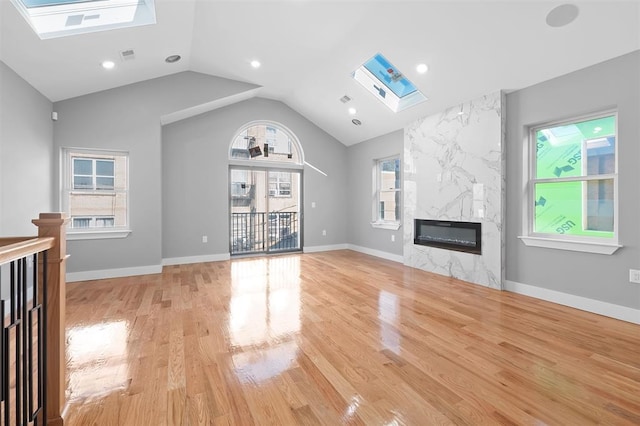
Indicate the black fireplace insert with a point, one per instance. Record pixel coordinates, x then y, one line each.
450 235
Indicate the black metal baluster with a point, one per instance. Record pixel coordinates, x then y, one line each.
19 345
264 218
19 402
35 306
18 342
234 233
24 331
3 354
5 367
294 225
3 377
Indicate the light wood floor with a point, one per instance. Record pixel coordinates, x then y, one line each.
338 338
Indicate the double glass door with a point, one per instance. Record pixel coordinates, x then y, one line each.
265 214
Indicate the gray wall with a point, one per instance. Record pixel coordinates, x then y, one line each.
361 158
26 135
195 178
26 154
128 118
615 83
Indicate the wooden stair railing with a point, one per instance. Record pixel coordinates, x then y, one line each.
52 240
55 225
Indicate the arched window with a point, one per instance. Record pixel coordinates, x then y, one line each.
266 141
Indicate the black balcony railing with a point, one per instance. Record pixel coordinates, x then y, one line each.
264 232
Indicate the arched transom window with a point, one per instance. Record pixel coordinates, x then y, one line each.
266 141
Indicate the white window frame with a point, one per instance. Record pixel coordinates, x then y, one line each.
67 188
279 185
578 243
377 221
261 161
92 219
94 176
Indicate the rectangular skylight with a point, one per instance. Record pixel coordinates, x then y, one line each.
388 84
59 18
41 3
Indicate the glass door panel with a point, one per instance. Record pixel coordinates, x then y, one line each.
264 210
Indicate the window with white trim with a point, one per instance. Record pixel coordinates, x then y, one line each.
93 173
280 184
572 188
95 191
92 222
387 198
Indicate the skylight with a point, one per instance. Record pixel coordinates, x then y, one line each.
40 3
388 84
59 18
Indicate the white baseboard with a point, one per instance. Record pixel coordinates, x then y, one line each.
195 259
113 273
377 253
315 249
623 313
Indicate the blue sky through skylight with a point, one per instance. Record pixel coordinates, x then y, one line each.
390 76
59 18
384 81
42 3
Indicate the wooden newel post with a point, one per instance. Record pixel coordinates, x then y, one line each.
54 225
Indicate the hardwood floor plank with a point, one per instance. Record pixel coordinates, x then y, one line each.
177 407
198 410
338 338
238 409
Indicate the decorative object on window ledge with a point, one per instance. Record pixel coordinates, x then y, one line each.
255 151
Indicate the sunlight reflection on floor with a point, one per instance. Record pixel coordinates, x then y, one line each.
268 289
97 359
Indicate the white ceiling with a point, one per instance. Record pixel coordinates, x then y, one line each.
308 49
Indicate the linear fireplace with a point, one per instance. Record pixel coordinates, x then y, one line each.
450 235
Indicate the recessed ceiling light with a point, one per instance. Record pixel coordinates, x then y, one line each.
172 59
597 130
107 65
255 64
422 68
562 15
356 122
352 111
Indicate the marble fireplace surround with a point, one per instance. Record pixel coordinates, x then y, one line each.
454 167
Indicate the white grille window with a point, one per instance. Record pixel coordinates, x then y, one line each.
95 191
572 185
280 184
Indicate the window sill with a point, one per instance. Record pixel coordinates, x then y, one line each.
98 235
386 225
582 246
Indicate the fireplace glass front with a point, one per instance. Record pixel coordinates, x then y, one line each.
450 235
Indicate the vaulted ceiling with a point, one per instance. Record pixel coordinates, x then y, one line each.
309 48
